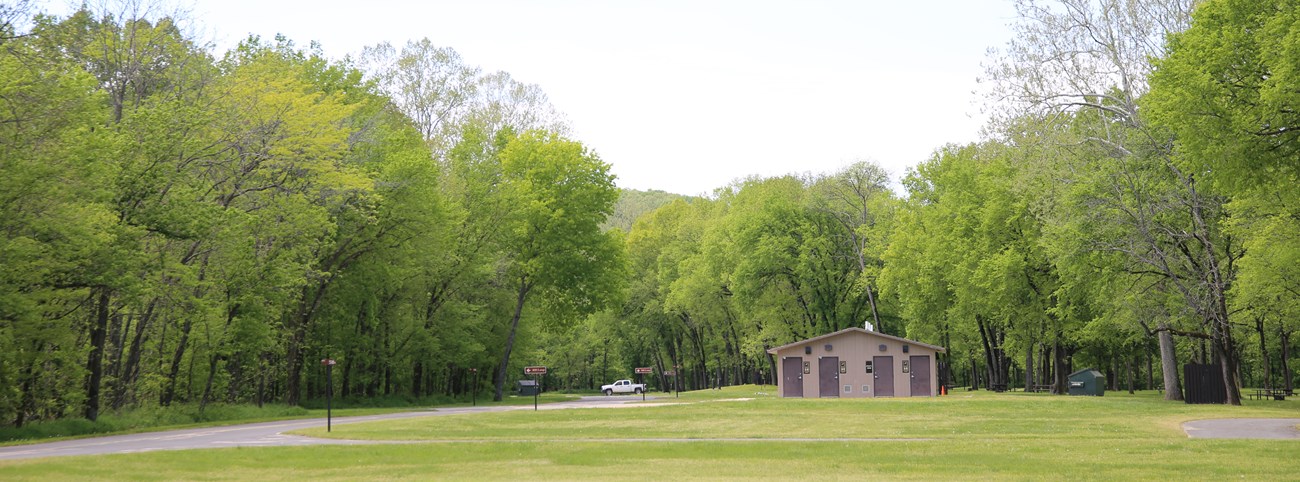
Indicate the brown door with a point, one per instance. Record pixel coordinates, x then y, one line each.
828 373
792 377
883 366
921 376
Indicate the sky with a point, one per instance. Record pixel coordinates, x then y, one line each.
689 96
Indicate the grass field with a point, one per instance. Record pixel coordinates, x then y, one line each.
746 433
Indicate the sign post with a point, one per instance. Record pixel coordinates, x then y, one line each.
537 388
641 372
673 373
329 392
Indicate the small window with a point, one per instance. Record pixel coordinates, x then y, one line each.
848 389
865 388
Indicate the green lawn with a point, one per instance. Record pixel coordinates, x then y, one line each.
964 436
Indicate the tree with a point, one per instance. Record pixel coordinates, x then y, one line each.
55 218
859 198
1073 78
1228 92
554 246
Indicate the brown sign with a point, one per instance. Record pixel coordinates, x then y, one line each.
534 370
644 370
671 373
327 361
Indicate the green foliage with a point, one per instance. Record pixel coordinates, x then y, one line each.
632 204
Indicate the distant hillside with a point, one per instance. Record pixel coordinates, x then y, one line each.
633 203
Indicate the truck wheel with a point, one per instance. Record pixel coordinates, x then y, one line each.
608 392
638 391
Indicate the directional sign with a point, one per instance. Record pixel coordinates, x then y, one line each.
644 370
327 361
671 373
534 370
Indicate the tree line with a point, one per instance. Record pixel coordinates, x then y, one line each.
1133 207
183 226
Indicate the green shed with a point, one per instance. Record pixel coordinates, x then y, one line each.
1087 381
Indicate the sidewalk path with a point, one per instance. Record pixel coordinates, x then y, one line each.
1284 428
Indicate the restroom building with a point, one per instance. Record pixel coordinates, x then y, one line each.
855 362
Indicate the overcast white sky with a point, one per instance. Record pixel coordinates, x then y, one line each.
686 96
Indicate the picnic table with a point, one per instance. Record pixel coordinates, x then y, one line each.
1274 393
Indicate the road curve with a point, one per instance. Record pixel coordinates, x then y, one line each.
259 434
1247 428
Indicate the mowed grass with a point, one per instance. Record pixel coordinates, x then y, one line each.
746 433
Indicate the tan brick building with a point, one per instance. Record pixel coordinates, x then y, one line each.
855 362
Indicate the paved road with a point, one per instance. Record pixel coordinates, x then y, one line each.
259 434
1284 428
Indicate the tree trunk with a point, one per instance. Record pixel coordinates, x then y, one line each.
1060 385
95 363
524 286
297 328
132 369
989 360
1286 366
1112 374
213 361
169 392
1169 364
1263 351
1029 368
1151 373
1228 366
27 401
1128 368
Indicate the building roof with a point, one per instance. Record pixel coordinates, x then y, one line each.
1095 373
939 349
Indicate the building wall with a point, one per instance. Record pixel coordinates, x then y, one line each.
854 349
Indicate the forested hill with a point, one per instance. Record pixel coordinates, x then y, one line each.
633 203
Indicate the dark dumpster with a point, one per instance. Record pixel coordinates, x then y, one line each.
1087 381
528 387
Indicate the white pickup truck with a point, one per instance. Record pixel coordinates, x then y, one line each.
623 386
